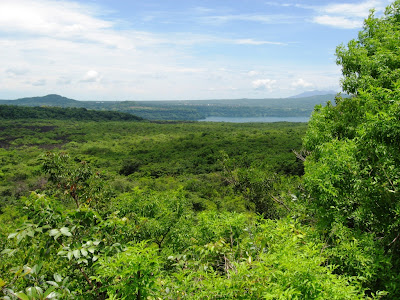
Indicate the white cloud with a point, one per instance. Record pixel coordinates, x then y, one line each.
264 84
91 76
73 49
253 73
301 83
338 21
255 42
46 18
360 10
63 20
347 15
40 82
64 80
17 71
265 19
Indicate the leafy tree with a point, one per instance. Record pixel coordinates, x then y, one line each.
75 179
273 260
61 241
352 172
129 273
374 58
156 216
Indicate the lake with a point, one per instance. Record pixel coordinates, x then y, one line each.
256 119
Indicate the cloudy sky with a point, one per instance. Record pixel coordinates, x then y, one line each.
175 49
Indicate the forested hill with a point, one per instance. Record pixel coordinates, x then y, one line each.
13 112
49 100
190 109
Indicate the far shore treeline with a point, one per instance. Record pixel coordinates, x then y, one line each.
13 112
189 110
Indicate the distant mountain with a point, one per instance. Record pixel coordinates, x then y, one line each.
49 100
314 93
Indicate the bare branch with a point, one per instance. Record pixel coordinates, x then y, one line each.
302 154
280 202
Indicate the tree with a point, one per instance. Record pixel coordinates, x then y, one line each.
352 175
75 180
373 60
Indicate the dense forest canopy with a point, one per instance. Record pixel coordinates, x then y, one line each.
141 210
10 112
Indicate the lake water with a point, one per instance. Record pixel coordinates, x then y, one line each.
256 119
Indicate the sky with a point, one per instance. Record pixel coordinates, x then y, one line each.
175 49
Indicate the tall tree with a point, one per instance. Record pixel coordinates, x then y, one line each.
352 174
373 59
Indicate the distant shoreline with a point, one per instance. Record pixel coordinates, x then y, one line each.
256 119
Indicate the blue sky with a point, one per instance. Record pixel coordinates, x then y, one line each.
174 50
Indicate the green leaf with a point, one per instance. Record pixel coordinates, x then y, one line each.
65 231
76 253
82 261
48 292
36 268
14 234
2 283
53 283
54 232
22 296
6 251
39 290
30 232
57 277
51 295
84 252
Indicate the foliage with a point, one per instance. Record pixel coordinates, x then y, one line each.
278 260
129 273
12 112
181 225
75 179
372 60
40 289
228 256
352 172
177 210
122 210
157 217
62 241
352 176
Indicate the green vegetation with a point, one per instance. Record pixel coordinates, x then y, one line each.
172 199
12 112
188 110
352 174
175 210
